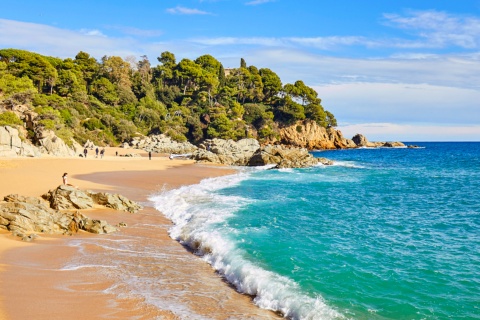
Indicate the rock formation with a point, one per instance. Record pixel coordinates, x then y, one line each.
12 145
285 157
68 197
160 144
57 214
308 134
361 141
24 215
226 152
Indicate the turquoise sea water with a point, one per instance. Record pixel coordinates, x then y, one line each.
382 234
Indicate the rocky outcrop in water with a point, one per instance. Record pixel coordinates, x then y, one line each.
361 141
248 152
285 157
226 152
58 213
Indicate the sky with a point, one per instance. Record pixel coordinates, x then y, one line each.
393 70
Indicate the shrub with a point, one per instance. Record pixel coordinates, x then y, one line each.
9 118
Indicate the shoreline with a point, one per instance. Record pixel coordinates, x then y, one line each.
54 282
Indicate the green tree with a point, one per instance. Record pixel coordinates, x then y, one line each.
163 74
189 74
243 64
88 66
33 65
104 90
272 84
117 71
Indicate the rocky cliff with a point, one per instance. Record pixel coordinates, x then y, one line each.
12 145
308 134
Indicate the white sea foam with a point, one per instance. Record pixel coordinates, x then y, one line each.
198 213
348 164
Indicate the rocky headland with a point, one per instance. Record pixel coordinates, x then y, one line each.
291 149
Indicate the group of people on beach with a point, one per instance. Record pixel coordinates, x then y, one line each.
97 151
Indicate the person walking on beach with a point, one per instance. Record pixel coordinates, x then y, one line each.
149 155
96 152
102 152
85 151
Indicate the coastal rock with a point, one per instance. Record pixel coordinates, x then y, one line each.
11 145
361 141
115 201
283 157
51 144
24 215
160 144
66 197
227 152
395 144
308 134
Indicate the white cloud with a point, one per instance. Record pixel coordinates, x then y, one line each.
138 32
49 40
401 103
257 2
439 29
186 11
96 33
412 133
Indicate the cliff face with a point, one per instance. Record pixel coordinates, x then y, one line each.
308 134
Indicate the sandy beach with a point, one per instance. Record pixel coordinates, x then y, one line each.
52 278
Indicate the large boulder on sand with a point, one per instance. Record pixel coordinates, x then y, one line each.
24 215
66 197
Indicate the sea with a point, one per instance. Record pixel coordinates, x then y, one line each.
384 233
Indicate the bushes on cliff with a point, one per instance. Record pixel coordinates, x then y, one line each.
9 118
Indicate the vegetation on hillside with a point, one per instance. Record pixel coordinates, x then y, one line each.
111 100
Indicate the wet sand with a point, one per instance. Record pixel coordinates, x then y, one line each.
91 276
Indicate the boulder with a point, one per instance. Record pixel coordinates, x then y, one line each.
226 152
283 157
394 144
24 215
66 197
10 142
51 144
160 144
361 141
115 201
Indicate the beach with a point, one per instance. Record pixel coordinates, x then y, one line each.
59 277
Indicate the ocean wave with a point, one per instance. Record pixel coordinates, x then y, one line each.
348 164
199 213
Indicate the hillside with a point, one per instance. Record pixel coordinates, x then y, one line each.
115 99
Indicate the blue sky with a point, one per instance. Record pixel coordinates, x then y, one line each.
404 70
